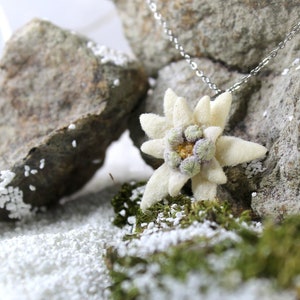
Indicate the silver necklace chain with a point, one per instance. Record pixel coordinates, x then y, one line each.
194 66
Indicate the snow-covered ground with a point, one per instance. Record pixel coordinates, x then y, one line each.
59 254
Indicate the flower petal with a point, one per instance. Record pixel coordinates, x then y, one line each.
182 114
154 148
220 109
154 125
212 133
202 111
156 188
213 172
232 151
176 182
169 102
203 189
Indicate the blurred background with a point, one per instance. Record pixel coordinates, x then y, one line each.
98 20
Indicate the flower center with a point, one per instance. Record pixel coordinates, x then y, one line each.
185 150
188 149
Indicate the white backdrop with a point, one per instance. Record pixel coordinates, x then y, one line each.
95 18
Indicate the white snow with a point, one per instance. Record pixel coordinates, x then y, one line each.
32 187
42 163
72 126
109 55
58 254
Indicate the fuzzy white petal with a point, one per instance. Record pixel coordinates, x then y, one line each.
154 148
203 189
169 102
220 109
154 126
182 114
213 172
202 111
212 133
157 187
176 182
232 151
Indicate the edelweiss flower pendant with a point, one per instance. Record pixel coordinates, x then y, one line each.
192 146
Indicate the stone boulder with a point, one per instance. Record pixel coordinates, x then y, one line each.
63 100
236 33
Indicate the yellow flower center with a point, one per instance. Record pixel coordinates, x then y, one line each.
185 150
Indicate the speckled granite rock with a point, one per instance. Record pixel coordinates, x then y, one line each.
237 33
63 100
276 109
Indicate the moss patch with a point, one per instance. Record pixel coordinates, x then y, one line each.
245 254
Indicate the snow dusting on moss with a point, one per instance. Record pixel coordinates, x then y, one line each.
187 249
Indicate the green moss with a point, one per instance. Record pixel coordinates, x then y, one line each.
126 202
214 211
275 254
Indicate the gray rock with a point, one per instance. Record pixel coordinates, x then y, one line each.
276 110
63 100
237 33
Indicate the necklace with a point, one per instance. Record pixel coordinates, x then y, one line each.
190 141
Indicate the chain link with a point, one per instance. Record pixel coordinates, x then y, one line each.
194 66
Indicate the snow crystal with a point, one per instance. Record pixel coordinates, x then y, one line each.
11 198
72 126
122 213
265 113
152 81
42 163
116 82
285 72
109 55
15 205
74 144
296 61
34 171
6 176
32 187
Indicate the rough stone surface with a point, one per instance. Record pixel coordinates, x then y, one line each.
63 100
276 109
236 33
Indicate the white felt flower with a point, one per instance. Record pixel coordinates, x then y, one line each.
192 146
